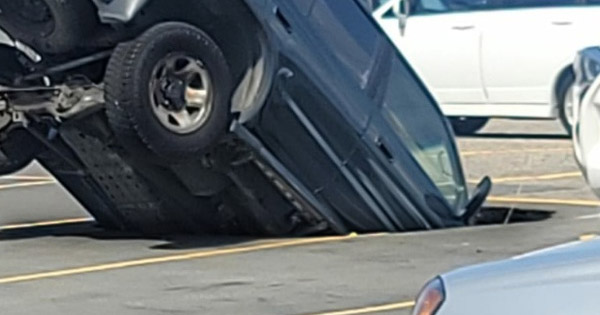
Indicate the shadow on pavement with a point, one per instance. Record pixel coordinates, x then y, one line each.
94 232
509 136
488 216
89 230
197 242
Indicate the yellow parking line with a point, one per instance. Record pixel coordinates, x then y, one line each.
372 309
26 184
587 237
491 152
28 177
559 175
544 201
171 258
44 224
498 180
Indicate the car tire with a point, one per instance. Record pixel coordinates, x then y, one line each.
17 151
565 102
50 26
464 126
157 109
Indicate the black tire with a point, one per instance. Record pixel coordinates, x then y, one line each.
129 105
18 150
464 126
50 26
562 94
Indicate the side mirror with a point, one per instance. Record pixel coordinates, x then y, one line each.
401 10
479 196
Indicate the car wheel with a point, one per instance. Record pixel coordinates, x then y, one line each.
566 103
168 93
17 151
464 126
51 26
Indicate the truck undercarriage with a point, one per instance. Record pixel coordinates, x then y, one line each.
52 108
229 190
171 119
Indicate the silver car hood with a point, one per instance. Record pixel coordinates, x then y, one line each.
560 280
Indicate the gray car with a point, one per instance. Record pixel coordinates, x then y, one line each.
560 280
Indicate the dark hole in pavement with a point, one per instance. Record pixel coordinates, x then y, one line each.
499 215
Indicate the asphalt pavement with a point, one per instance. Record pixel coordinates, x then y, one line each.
56 261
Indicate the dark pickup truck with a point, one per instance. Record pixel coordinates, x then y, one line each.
261 117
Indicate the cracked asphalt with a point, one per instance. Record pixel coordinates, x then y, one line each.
55 261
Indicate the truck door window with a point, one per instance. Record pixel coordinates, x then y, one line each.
421 127
303 6
349 32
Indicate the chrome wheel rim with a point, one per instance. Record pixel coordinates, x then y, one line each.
181 93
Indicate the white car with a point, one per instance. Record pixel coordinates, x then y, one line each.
586 127
494 58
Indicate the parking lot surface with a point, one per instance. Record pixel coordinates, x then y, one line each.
55 260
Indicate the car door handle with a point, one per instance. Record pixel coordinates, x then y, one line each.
384 149
463 27
562 23
282 20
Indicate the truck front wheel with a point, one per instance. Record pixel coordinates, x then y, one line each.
168 93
